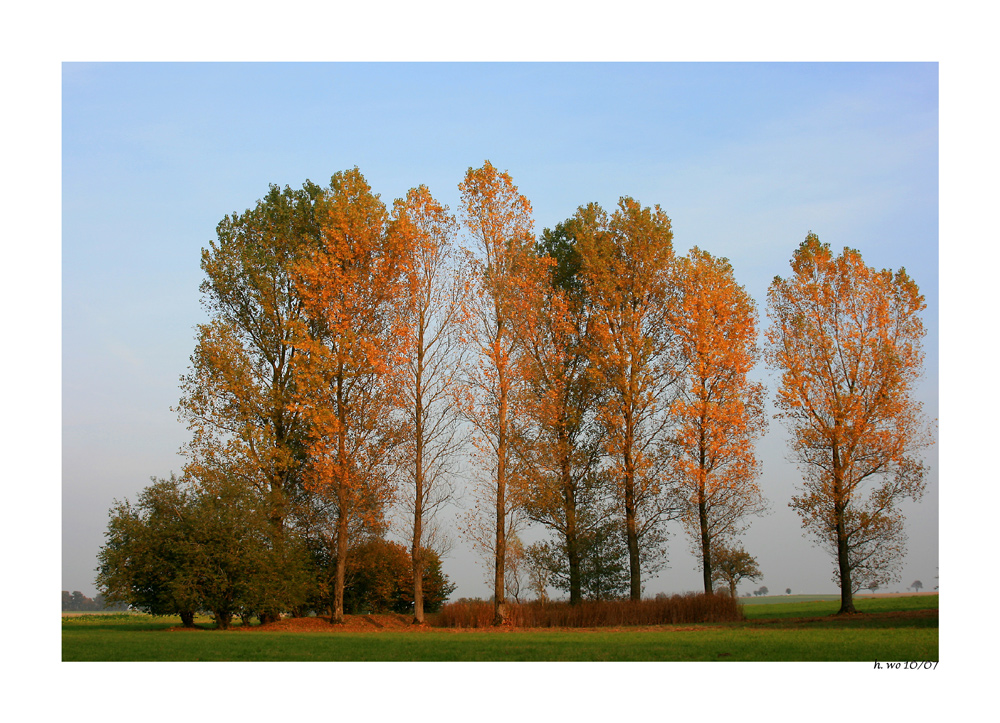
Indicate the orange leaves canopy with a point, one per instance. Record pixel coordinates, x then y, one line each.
719 412
847 340
351 359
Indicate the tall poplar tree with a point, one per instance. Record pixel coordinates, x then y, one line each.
434 312
237 396
498 220
626 271
351 356
847 340
566 491
719 414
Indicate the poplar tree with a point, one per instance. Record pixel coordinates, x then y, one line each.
626 268
719 413
351 356
498 220
847 341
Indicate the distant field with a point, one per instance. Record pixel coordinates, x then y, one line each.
771 599
777 599
889 629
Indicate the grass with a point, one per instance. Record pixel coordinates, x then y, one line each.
775 632
812 607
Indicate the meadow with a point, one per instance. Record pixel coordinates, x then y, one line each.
887 629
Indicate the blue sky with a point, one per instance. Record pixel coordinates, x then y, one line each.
744 158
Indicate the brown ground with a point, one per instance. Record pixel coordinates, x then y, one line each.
351 624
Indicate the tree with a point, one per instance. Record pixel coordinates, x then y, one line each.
719 412
377 579
917 585
238 394
847 341
730 565
433 315
626 262
561 394
143 555
185 547
232 565
788 591
351 355
498 219
603 567
539 573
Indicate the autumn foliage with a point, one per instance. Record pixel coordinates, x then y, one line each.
847 341
719 411
362 361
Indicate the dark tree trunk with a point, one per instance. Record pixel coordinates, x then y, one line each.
843 546
573 553
572 534
706 556
499 600
631 529
416 555
706 550
187 619
337 615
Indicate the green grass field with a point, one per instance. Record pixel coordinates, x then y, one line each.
783 631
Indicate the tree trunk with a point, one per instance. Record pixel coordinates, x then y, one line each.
573 553
635 578
416 556
846 594
631 529
706 551
337 616
499 606
187 618
706 556
572 535
843 548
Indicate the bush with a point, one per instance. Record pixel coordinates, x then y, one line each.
677 609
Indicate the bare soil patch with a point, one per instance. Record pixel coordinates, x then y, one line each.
319 624
352 624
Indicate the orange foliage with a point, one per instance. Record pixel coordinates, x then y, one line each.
626 274
498 219
352 358
720 412
847 340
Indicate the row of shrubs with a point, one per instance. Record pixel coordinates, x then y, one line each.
678 609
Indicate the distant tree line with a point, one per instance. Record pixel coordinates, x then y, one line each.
78 602
597 382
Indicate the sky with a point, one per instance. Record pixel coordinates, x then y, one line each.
745 158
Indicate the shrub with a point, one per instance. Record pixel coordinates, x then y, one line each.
677 609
